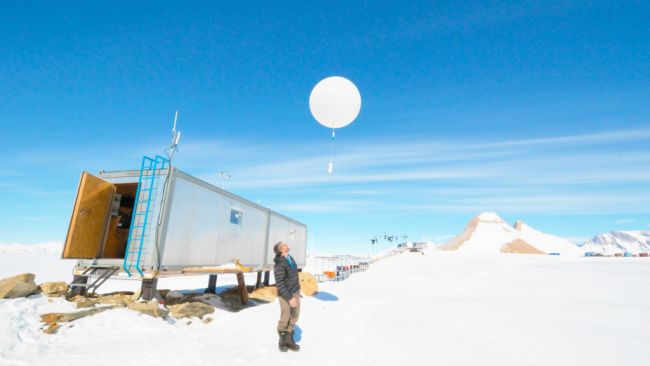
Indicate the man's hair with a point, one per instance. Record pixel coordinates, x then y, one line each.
276 247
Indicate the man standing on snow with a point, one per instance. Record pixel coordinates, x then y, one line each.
288 284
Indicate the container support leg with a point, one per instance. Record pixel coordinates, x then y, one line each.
148 289
267 276
243 293
79 285
258 282
212 284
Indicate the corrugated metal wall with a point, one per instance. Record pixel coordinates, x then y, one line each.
291 233
200 232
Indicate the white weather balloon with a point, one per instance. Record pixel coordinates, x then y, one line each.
335 102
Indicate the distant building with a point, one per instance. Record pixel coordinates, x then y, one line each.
413 246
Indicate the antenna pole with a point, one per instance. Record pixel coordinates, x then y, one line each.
174 129
176 136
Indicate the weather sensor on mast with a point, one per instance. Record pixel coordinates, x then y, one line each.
176 137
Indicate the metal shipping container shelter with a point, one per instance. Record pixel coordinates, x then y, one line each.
160 221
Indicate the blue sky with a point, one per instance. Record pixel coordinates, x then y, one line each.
536 110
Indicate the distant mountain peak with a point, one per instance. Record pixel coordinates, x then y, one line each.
489 233
615 242
520 225
488 217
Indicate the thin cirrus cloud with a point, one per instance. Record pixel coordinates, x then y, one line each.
599 172
408 161
506 204
603 172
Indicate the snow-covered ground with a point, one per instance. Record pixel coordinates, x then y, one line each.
440 308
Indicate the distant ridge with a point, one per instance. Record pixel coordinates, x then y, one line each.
614 242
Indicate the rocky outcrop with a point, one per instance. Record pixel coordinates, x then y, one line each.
266 294
308 284
190 309
115 298
120 299
178 305
53 320
467 234
82 301
520 247
18 286
151 308
175 297
546 243
54 289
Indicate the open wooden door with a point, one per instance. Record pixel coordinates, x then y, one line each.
90 217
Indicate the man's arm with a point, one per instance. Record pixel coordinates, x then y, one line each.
280 281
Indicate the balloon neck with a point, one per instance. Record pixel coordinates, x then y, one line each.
333 134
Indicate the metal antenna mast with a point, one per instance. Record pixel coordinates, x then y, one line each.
176 137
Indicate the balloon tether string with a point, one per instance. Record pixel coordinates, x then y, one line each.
330 166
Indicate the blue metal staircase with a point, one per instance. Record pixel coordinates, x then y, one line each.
143 210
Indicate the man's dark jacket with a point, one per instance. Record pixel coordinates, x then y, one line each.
286 277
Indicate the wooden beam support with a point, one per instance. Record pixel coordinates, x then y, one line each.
243 293
208 270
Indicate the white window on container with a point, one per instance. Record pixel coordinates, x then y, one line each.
236 216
